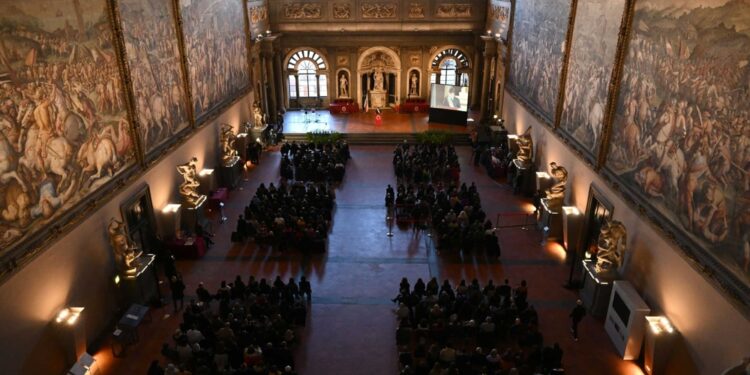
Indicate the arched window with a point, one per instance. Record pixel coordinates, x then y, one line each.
307 78
448 72
451 64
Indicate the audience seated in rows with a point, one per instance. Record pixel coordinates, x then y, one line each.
250 330
297 214
470 329
319 162
426 162
454 213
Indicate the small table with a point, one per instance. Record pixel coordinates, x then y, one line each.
127 328
191 247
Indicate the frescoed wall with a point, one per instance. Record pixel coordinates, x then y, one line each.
216 52
153 57
539 32
592 57
64 129
498 17
681 134
257 14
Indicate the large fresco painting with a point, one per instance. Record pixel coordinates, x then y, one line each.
64 132
681 141
539 32
592 56
154 60
215 46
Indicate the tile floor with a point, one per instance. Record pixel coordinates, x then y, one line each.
351 324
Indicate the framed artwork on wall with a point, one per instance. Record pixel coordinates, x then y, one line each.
69 141
538 45
680 149
155 69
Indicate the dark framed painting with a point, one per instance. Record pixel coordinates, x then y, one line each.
156 77
65 134
598 211
216 53
138 216
680 144
593 50
538 44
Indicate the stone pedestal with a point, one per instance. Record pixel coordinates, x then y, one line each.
523 178
550 218
230 173
378 98
141 288
193 214
596 289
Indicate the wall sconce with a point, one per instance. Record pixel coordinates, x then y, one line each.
71 333
489 32
171 214
268 32
660 338
571 227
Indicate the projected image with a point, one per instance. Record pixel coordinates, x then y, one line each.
454 98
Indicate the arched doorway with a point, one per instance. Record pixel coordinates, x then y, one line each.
379 74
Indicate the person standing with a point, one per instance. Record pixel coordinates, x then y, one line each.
177 286
576 316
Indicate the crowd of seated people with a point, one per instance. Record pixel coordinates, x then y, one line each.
297 214
426 162
245 328
453 212
470 329
319 162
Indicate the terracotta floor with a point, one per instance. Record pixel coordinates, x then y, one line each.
360 122
351 324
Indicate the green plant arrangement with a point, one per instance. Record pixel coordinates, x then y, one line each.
323 136
434 137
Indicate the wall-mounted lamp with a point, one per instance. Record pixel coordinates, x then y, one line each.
171 214
71 333
207 181
68 315
268 32
571 227
660 337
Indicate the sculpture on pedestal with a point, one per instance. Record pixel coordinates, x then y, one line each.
525 149
611 246
343 86
378 80
258 115
556 194
126 252
189 187
229 155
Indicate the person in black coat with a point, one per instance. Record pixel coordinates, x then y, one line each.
177 286
304 288
576 316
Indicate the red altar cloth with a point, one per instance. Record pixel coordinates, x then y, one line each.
191 247
220 195
343 106
414 105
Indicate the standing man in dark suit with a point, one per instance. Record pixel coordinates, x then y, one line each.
576 316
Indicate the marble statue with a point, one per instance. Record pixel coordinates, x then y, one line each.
229 155
258 116
525 149
378 79
189 187
556 194
126 252
611 246
343 86
414 85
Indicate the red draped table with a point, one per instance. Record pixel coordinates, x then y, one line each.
191 247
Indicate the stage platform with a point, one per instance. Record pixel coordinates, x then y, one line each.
297 122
